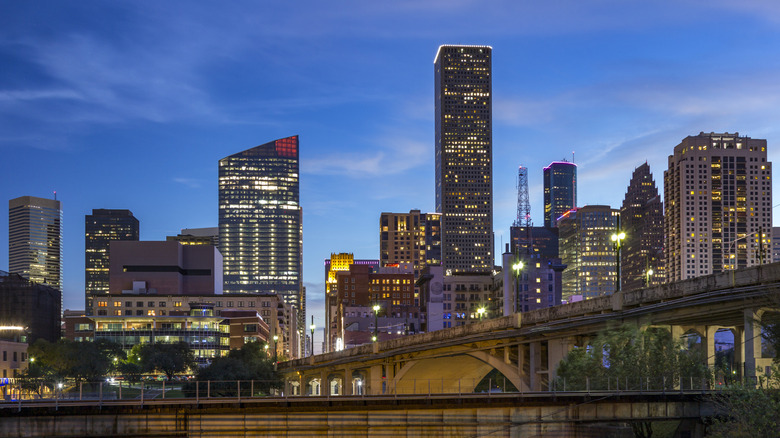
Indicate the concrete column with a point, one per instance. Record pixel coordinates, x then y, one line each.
510 306
752 345
324 383
557 349
536 362
347 386
676 331
739 350
708 345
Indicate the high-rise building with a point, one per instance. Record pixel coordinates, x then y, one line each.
539 242
102 227
35 239
560 190
412 238
718 212
464 157
587 250
642 219
260 234
197 236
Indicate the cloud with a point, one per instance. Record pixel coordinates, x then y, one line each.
189 182
395 155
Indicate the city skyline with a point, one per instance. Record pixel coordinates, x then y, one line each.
618 88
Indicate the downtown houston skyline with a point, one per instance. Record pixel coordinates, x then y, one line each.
131 106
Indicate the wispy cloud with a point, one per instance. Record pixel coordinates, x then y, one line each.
394 155
189 182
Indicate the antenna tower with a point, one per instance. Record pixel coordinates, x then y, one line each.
523 204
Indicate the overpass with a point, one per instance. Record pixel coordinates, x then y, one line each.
526 348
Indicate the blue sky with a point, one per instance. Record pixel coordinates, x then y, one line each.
132 104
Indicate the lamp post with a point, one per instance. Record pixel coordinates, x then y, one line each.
312 327
618 237
376 323
275 338
517 267
648 274
481 312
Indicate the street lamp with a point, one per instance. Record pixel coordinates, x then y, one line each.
517 267
648 274
276 338
376 323
618 237
312 327
481 312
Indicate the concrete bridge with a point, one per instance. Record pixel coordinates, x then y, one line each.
542 414
527 348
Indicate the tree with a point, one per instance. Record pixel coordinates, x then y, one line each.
167 358
627 358
249 363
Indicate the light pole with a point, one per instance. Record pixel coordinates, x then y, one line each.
276 338
618 237
312 327
517 267
376 323
481 312
648 274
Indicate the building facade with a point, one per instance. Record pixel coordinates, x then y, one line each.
260 234
541 242
35 239
197 236
164 268
340 262
464 157
560 190
642 219
35 307
100 228
718 212
587 250
412 239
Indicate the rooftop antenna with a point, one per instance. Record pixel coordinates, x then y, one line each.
55 195
572 156
523 205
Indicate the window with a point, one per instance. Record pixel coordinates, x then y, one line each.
230 304
162 303
240 304
128 304
177 304
139 304
150 313
139 313
102 303
128 313
150 304
117 304
251 304
250 328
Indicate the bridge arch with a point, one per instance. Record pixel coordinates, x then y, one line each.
445 374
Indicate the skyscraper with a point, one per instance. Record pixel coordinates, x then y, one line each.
260 234
642 219
560 190
718 192
412 238
35 239
464 157
101 227
587 250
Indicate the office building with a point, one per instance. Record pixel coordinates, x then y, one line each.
197 236
587 250
560 190
642 219
412 239
35 239
464 157
718 212
260 234
338 263
775 244
100 229
540 242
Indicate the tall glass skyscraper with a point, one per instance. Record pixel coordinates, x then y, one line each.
560 190
100 228
35 239
260 234
464 157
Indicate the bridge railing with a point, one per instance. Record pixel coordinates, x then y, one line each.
196 391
